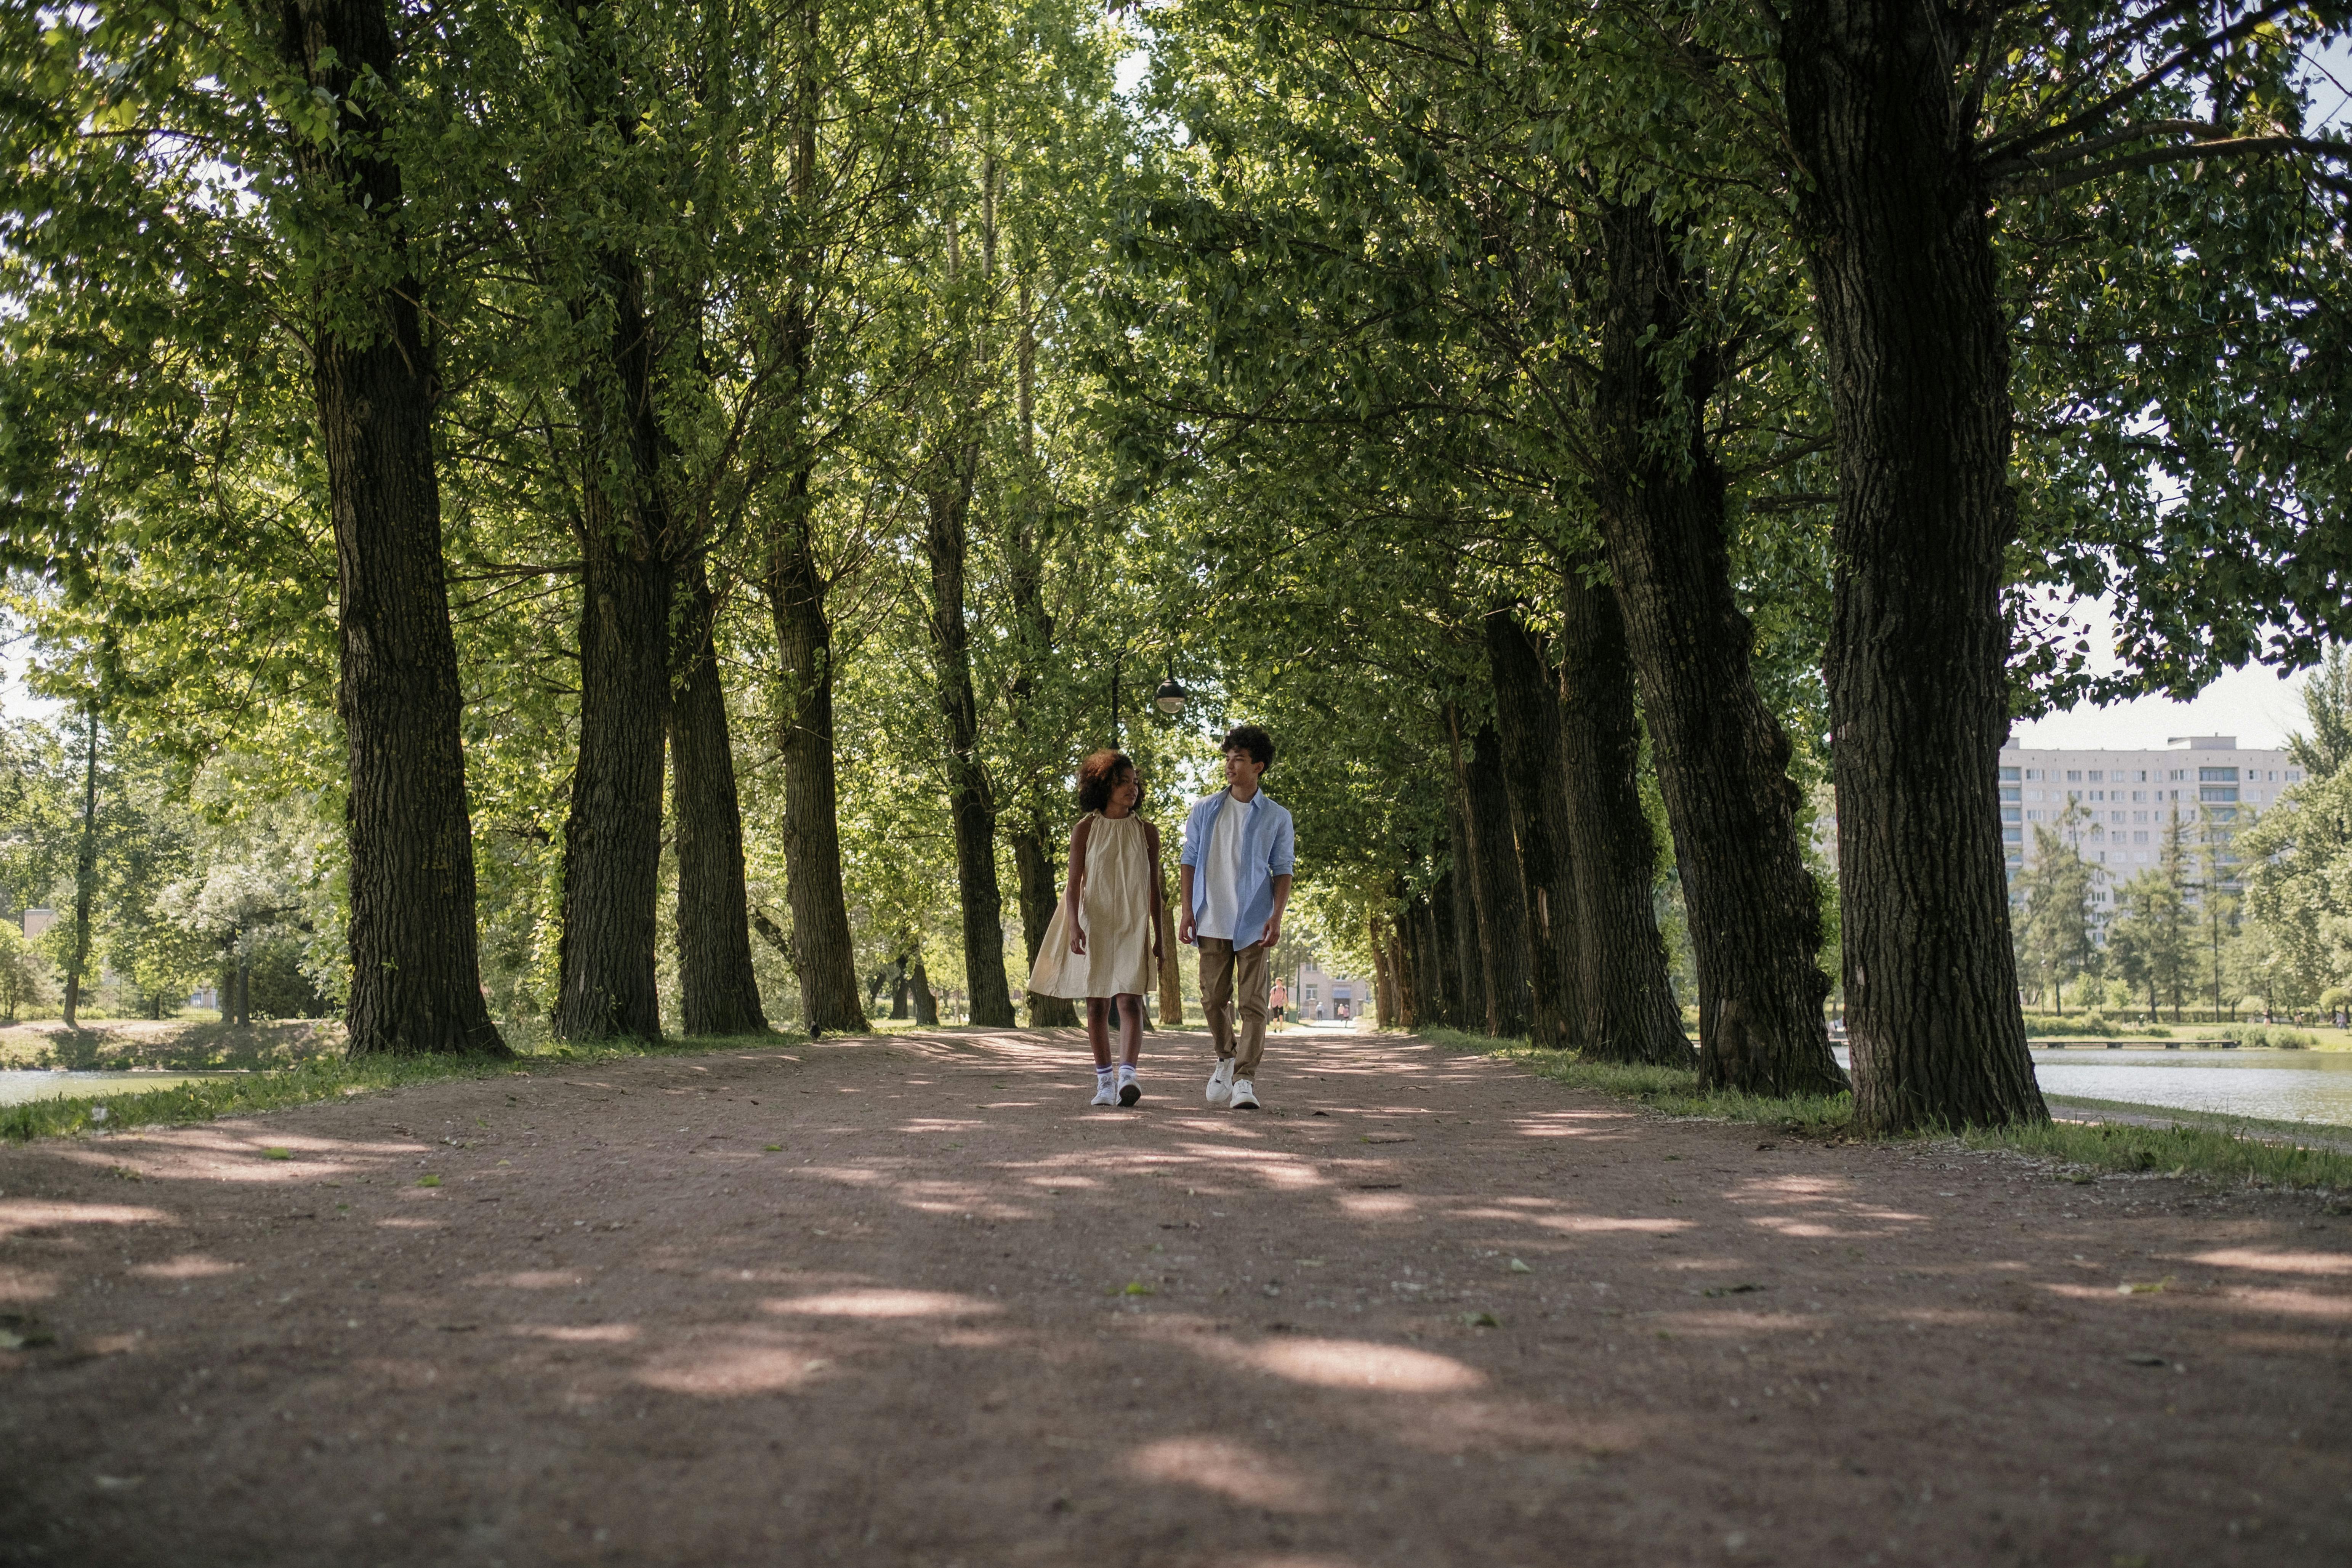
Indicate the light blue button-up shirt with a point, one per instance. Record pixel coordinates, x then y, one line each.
1267 851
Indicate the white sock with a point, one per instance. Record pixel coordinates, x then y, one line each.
1105 1075
1125 1073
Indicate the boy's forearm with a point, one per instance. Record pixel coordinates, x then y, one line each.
1281 894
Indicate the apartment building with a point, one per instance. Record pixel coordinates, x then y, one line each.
2128 799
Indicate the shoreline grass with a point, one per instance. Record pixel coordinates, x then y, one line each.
2257 1154
110 1109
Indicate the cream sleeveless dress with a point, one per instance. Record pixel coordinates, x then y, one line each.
1117 919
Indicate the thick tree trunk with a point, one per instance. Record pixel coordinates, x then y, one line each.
1441 1002
416 968
1388 986
1171 977
717 992
970 805
1497 892
1034 865
926 1002
1527 722
822 956
1630 1013
611 839
1895 222
1462 925
1723 759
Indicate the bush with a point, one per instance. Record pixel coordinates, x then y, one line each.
2268 1038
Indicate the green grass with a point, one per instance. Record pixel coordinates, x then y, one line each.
2257 1153
108 1109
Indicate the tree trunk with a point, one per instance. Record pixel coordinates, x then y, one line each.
416 968
1895 222
822 956
1441 987
1527 722
1171 974
611 838
1722 758
1497 892
896 977
1630 1013
1387 985
1034 865
85 874
717 992
926 1003
972 810
1462 925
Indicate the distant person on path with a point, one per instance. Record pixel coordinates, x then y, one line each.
1279 1000
1235 882
1104 941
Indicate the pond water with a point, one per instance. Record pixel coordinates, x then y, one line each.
2276 1086
17 1086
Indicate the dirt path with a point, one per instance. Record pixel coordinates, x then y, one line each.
959 1317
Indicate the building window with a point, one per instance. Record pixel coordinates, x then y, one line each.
2074 776
2217 791
2008 794
2141 837
2177 775
2142 779
2009 814
2217 775
2009 775
2012 834
2295 775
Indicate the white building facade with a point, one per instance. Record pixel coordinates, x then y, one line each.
2129 800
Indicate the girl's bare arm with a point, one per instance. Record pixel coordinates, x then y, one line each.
1075 883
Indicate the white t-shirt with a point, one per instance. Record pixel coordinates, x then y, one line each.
1221 870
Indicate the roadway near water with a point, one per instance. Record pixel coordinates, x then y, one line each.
910 1301
2276 1086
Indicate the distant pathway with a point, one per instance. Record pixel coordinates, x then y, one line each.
1424 1310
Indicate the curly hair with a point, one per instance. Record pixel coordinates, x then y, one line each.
1098 776
1251 739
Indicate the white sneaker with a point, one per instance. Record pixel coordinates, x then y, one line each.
1221 1082
1106 1092
1244 1097
1129 1092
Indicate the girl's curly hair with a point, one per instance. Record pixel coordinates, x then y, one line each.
1098 775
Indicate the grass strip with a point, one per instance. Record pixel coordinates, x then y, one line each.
110 1108
2259 1157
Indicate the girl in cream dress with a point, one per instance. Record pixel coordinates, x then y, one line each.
1104 938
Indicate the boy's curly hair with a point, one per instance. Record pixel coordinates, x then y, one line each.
1251 739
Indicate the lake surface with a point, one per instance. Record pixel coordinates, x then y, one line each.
2276 1086
17 1086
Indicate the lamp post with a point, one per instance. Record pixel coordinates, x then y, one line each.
1169 699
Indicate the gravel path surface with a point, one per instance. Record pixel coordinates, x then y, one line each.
909 1300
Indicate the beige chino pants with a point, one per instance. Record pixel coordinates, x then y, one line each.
1223 972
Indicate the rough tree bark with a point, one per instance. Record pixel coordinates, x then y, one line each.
415 963
1630 1013
1527 724
1722 758
970 809
719 992
1895 221
1496 891
1462 922
822 956
1433 927
612 836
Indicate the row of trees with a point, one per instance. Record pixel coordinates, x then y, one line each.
1588 437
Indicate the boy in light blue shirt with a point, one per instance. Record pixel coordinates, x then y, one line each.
1235 877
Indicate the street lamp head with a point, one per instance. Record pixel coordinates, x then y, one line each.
1170 697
